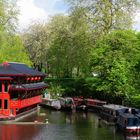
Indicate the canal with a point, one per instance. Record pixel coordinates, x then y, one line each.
57 125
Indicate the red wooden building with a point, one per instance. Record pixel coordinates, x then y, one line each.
20 89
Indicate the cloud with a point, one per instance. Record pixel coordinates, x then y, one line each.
33 10
136 24
52 6
29 12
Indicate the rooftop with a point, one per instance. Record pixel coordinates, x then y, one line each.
114 107
128 115
18 69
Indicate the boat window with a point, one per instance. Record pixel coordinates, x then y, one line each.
135 122
117 113
0 87
5 104
6 87
132 122
0 103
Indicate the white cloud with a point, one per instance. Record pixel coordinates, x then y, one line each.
38 10
29 13
136 25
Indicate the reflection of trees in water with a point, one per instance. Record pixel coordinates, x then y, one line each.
83 126
56 117
73 117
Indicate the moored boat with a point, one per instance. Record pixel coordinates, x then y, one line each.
80 104
129 123
94 105
110 112
67 104
53 104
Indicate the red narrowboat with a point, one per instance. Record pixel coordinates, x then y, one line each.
20 89
94 105
80 104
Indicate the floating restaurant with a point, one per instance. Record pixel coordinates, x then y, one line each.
20 89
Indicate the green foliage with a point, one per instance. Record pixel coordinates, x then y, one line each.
8 15
13 51
89 52
73 86
11 47
135 101
35 40
106 15
114 58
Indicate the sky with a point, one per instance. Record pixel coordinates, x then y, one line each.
33 10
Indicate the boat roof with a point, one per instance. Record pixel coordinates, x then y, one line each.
138 115
128 115
18 69
114 107
95 100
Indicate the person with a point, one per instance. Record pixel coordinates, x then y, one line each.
47 95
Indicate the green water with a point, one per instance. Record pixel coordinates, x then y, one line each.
60 126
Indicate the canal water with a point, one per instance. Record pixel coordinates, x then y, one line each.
55 125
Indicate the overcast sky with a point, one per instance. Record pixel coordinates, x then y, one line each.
32 10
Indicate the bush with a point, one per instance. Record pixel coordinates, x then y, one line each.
135 101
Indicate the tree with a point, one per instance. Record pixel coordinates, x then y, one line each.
8 15
69 47
114 59
11 48
61 50
36 42
13 51
106 15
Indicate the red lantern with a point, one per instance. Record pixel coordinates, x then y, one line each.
32 78
28 79
36 78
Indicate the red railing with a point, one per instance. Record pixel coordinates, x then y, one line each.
14 104
30 101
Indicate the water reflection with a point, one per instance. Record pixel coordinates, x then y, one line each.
61 126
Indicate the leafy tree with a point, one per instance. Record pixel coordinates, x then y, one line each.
69 48
11 48
8 15
114 58
13 51
35 40
106 15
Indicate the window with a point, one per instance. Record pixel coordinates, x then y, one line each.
6 87
13 95
5 104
